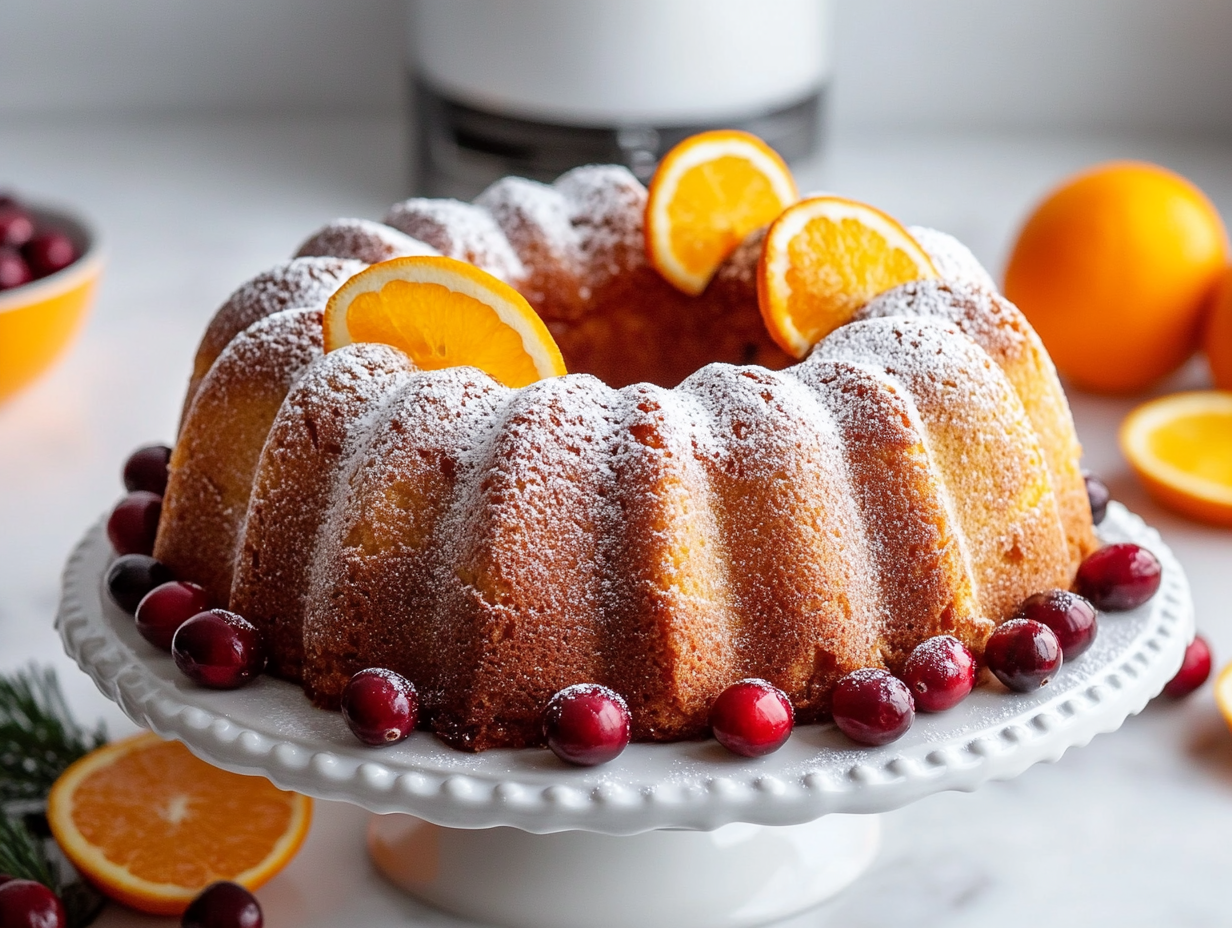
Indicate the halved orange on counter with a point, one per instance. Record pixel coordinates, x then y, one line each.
1181 448
444 313
708 194
823 259
151 826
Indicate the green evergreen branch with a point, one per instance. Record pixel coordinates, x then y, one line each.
22 855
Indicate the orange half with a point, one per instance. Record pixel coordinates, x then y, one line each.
823 259
444 313
708 194
1181 448
151 826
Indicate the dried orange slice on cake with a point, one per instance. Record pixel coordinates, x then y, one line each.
1181 448
708 194
152 826
444 313
822 260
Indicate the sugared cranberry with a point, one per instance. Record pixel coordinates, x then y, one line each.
4 877
1023 654
218 649
940 673
380 706
16 226
872 706
165 608
586 724
13 269
223 905
27 904
134 523
752 718
1119 577
130 577
1195 668
1098 496
1071 618
49 252
146 469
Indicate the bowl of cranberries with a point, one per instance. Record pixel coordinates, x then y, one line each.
49 265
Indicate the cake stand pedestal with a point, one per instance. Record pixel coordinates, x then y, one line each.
683 835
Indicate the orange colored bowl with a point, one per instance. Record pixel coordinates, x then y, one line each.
39 320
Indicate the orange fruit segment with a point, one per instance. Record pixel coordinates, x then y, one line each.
444 313
707 195
151 826
1114 270
822 260
1181 448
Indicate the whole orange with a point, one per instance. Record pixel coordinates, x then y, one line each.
1217 338
1114 269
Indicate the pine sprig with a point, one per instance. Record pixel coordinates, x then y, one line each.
22 855
38 735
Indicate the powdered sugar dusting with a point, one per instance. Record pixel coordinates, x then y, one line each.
362 240
952 259
458 230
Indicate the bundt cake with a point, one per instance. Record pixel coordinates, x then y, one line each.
679 513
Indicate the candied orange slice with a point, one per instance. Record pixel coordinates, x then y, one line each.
151 826
822 260
708 194
444 313
1181 448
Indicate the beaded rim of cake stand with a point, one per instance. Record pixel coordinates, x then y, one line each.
270 729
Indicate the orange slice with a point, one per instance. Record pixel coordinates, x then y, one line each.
444 313
1181 448
822 260
152 826
1223 693
708 194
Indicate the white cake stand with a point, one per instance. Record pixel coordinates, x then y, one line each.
683 835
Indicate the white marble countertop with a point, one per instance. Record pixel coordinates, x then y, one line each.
1132 829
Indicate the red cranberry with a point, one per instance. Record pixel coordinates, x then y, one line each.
1119 577
1071 618
1195 668
49 252
380 706
146 469
27 904
16 226
130 577
13 269
1023 654
872 706
752 718
4 877
165 608
223 905
1098 495
134 523
586 724
940 673
218 649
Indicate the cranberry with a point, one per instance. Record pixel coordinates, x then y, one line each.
1195 668
4 877
146 469
872 706
130 577
218 649
49 252
27 904
1071 618
13 269
586 724
1023 654
166 607
223 905
1119 577
134 523
752 718
380 706
16 226
940 673
1098 495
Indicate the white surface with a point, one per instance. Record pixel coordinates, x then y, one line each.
1132 829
